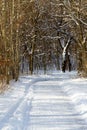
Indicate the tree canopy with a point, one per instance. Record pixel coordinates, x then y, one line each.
38 34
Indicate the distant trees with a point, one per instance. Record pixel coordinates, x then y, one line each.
42 34
77 16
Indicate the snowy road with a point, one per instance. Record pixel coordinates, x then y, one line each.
52 109
39 103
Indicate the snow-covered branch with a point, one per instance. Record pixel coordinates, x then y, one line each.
65 49
50 37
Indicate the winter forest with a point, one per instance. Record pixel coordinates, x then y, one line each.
43 47
42 35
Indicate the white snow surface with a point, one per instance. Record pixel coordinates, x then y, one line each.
55 101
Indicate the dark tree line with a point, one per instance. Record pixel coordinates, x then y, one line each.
42 35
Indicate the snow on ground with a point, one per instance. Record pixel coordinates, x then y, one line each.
55 101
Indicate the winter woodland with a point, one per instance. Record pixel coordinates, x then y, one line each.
42 35
43 47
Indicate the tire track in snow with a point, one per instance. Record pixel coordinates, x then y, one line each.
18 107
10 112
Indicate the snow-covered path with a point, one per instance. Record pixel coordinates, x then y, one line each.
40 103
52 109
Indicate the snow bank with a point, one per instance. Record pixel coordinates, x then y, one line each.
77 91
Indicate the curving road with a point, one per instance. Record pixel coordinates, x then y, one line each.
39 104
